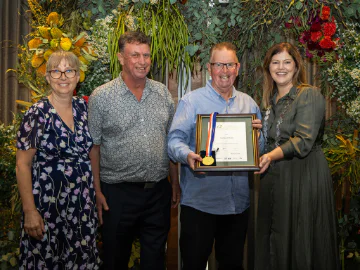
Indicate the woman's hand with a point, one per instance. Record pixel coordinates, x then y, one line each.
34 224
256 123
264 164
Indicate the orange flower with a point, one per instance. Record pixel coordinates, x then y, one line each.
37 60
41 71
80 42
53 19
34 43
76 51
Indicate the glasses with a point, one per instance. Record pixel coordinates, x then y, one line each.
56 74
220 66
138 55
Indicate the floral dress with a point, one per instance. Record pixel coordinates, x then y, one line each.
63 189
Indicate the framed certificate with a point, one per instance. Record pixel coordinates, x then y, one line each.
235 144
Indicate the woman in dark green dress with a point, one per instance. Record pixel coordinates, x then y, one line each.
296 225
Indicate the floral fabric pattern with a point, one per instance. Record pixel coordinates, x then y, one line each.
63 189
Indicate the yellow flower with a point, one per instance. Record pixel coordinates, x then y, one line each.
47 54
54 43
37 60
56 32
82 76
34 43
44 32
65 44
53 19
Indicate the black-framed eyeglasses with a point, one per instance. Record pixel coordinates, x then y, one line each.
220 66
56 74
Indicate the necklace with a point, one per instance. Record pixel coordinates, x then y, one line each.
288 101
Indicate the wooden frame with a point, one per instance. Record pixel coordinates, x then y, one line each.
246 157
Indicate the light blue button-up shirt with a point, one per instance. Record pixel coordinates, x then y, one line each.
220 193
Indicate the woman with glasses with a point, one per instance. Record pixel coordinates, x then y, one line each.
296 225
54 176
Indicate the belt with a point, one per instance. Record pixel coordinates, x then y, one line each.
143 185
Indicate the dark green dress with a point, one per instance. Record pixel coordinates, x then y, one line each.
296 224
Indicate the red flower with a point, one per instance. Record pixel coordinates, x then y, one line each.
325 13
74 92
294 21
315 27
315 36
289 25
297 21
305 37
329 28
309 54
86 98
327 43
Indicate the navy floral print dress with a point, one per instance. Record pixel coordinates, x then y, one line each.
62 188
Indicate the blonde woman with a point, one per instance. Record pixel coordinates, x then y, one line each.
54 176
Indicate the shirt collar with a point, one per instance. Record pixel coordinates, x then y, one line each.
214 92
292 94
123 89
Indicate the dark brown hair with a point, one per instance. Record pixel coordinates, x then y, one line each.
299 77
133 37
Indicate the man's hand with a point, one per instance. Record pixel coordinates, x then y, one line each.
34 224
192 158
100 205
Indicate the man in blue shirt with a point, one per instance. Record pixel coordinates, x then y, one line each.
214 205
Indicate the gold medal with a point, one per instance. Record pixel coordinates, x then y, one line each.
208 160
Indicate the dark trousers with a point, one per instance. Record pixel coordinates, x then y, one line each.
136 211
198 232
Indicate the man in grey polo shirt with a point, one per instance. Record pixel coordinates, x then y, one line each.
129 119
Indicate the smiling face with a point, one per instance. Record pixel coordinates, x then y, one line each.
223 79
135 61
63 85
282 68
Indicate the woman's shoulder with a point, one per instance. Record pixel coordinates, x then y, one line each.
79 101
38 107
309 94
309 90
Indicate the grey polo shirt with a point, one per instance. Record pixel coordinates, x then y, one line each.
132 134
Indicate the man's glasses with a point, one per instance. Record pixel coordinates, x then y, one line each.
56 74
220 66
